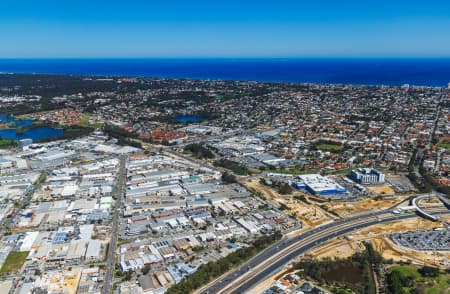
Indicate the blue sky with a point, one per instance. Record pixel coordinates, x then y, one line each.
214 28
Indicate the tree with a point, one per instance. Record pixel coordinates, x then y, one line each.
429 271
285 189
199 151
128 275
228 178
395 284
146 269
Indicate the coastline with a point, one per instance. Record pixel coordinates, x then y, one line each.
429 72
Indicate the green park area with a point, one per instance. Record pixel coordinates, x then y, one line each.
334 148
6 143
443 145
84 122
427 280
344 171
14 262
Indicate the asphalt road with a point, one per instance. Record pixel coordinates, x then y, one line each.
281 253
120 190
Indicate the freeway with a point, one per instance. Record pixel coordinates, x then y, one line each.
119 191
284 251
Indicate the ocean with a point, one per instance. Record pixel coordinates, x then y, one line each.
422 72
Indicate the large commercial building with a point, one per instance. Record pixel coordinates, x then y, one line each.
367 176
319 185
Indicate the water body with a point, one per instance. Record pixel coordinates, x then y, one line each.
189 119
36 134
376 71
345 273
16 122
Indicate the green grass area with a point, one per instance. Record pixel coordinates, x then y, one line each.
413 281
330 147
293 171
406 271
344 171
84 122
442 285
73 97
14 261
443 145
6 143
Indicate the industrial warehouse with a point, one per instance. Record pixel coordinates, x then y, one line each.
319 185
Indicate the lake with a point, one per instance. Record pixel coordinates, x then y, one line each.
36 134
17 122
189 118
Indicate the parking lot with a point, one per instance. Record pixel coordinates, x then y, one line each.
424 240
400 184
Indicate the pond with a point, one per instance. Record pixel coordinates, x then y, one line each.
189 118
345 273
36 134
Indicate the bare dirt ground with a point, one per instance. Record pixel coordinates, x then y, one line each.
340 247
268 193
377 235
345 209
310 214
381 190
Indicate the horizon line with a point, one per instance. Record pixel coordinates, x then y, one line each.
222 57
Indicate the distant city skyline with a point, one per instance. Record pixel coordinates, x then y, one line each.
231 29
